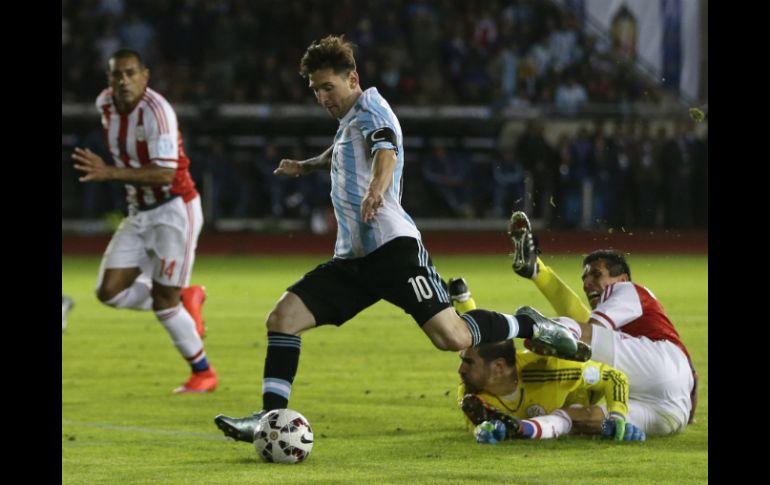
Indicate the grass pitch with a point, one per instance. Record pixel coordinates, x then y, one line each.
380 398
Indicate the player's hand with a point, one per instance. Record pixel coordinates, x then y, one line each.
92 165
633 433
614 427
697 114
288 168
490 432
618 429
371 205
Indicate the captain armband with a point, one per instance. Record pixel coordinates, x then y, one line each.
380 135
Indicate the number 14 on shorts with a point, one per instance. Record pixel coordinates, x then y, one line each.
167 269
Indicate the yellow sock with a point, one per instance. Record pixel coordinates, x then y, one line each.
559 295
464 306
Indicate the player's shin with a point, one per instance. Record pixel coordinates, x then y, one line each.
281 365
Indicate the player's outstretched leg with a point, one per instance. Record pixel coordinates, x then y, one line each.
553 339
239 429
525 247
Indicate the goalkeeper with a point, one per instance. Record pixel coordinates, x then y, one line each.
509 393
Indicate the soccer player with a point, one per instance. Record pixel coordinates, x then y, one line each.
148 263
511 393
378 253
66 305
626 327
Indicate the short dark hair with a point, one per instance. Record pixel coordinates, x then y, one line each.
614 260
124 53
330 52
505 350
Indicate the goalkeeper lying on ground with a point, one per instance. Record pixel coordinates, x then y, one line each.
511 394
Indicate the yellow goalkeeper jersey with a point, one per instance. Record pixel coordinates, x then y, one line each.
548 383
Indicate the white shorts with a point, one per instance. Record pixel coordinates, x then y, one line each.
659 378
160 242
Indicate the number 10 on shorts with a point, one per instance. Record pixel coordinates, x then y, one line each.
421 288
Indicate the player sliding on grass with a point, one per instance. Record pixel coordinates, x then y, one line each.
379 253
511 394
627 328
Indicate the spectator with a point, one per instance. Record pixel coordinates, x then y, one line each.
447 174
570 96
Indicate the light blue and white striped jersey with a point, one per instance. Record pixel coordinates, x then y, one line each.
351 173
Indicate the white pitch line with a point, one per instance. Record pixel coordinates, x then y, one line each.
141 429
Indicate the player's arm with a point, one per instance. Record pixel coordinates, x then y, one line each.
96 170
612 384
383 165
295 168
591 420
493 425
548 426
613 387
585 419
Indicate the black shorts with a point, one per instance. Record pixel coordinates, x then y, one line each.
400 271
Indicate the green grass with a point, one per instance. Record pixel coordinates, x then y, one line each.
380 398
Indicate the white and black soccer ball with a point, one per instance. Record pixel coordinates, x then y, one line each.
283 436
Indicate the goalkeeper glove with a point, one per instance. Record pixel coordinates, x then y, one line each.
478 410
634 434
618 429
490 432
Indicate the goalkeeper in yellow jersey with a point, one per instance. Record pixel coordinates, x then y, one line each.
508 393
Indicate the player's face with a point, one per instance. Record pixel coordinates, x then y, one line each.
335 92
128 79
596 277
473 372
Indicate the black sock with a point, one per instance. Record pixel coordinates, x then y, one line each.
280 368
526 324
486 326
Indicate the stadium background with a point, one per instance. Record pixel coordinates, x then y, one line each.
484 92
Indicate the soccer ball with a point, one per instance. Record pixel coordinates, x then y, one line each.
283 436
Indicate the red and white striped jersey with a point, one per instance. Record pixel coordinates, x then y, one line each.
635 309
149 134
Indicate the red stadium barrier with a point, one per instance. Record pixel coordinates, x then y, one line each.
488 242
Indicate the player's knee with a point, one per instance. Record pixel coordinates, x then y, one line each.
289 316
450 341
447 331
106 295
277 321
457 342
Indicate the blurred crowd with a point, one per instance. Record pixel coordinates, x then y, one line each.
604 174
498 53
417 52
